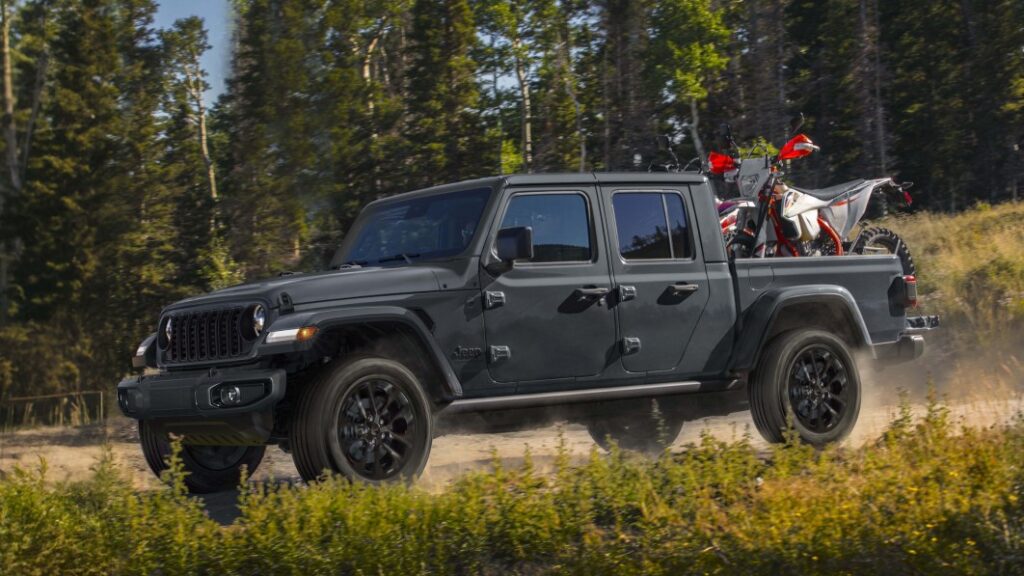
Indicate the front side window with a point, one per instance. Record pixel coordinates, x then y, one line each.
428 227
560 222
651 226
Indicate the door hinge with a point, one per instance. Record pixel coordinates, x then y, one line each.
499 353
493 299
630 345
627 293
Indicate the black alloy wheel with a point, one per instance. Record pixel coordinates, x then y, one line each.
818 388
377 428
366 418
805 380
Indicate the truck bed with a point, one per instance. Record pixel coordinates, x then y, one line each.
867 279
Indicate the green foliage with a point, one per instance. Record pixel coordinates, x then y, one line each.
929 498
110 211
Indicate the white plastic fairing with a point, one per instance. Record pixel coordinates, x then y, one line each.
798 203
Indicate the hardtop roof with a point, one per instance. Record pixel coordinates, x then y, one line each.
557 178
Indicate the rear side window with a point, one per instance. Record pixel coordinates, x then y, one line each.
560 222
652 226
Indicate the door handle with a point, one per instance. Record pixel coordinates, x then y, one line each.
684 288
593 292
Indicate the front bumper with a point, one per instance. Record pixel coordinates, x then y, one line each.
189 404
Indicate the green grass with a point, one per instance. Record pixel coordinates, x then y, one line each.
930 497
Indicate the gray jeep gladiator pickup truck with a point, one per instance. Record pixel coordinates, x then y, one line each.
601 298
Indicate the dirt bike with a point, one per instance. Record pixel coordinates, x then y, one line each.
784 220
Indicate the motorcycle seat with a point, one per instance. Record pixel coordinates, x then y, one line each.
832 192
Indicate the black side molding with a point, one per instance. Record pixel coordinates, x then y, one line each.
579 396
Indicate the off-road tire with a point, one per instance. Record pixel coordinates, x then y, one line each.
775 385
889 240
201 477
315 433
645 432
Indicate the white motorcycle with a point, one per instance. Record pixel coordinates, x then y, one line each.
783 220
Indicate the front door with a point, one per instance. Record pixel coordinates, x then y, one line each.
659 273
549 317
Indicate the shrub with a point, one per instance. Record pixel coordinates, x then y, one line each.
928 497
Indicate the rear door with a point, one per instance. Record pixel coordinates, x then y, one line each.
658 271
549 318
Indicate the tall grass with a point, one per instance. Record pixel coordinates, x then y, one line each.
971 270
927 498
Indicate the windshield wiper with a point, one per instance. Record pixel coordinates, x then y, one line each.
403 256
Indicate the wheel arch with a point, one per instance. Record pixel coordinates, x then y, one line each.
388 330
830 308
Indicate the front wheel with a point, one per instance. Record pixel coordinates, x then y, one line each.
806 379
208 468
366 418
878 240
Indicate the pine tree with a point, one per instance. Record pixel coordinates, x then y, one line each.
446 134
686 58
269 150
627 107
560 115
204 258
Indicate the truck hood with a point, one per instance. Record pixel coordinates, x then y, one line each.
324 286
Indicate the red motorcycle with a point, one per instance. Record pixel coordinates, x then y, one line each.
783 220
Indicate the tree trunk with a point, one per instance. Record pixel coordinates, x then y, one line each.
194 86
9 128
883 159
694 125
564 57
527 109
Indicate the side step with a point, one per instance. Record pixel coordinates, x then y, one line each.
572 397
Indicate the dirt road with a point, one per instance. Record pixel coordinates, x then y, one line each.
70 453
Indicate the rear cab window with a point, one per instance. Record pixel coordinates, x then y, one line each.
652 226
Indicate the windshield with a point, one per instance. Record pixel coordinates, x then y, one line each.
421 228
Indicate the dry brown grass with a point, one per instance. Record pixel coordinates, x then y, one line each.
971 270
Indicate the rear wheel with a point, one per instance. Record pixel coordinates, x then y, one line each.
878 240
806 379
208 468
648 432
366 418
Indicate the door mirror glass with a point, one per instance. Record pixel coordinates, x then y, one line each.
515 244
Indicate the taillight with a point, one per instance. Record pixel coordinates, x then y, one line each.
910 291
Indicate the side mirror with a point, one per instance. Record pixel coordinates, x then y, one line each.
796 123
515 244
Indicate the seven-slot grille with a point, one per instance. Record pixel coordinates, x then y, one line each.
206 335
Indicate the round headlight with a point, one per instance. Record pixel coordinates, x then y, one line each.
168 331
259 319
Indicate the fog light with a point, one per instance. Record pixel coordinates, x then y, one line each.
230 395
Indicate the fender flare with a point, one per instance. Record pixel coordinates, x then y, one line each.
760 318
450 388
